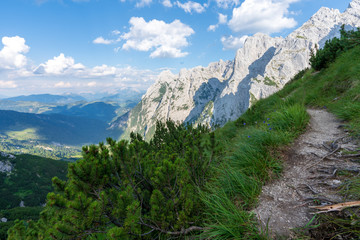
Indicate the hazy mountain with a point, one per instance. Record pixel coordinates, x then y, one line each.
48 98
57 128
96 110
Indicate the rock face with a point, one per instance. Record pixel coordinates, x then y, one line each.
224 90
5 164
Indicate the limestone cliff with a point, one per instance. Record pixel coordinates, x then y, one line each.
224 90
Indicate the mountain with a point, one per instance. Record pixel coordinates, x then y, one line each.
124 96
119 95
48 98
224 90
50 128
105 112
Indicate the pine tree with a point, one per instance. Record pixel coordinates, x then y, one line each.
130 190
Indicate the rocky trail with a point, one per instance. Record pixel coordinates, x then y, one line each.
312 175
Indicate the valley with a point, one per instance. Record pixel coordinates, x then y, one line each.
58 126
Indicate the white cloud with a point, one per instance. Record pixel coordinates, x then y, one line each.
12 55
191 6
59 65
7 84
222 20
233 43
213 27
164 39
267 16
63 85
227 3
92 84
63 73
167 3
143 3
101 40
167 52
115 32
100 71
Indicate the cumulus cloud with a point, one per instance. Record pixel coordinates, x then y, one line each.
167 3
227 3
12 54
101 40
233 43
213 27
7 84
101 71
63 85
222 20
267 16
59 65
191 7
19 77
163 39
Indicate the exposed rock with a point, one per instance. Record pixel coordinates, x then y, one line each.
120 122
3 219
22 204
7 155
224 90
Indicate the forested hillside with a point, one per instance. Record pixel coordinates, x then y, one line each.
25 180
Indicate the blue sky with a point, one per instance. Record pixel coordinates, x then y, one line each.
58 46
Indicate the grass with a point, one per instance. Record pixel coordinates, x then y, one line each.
23 135
251 147
248 162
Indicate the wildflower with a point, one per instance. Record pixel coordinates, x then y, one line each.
268 124
264 121
244 124
268 119
249 136
270 128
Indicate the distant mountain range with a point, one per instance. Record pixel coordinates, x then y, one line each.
34 123
62 129
48 98
224 90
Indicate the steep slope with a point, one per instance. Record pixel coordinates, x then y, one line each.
224 90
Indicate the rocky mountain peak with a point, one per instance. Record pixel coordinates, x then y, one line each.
354 8
224 90
355 4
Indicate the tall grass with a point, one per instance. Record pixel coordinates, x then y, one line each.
249 161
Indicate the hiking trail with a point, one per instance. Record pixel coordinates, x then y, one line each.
310 176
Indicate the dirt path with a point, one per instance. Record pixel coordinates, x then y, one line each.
308 176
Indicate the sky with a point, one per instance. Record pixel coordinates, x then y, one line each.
89 46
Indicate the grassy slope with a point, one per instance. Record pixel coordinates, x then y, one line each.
253 142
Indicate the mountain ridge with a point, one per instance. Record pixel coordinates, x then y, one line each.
223 90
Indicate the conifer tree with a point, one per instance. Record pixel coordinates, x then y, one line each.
130 190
